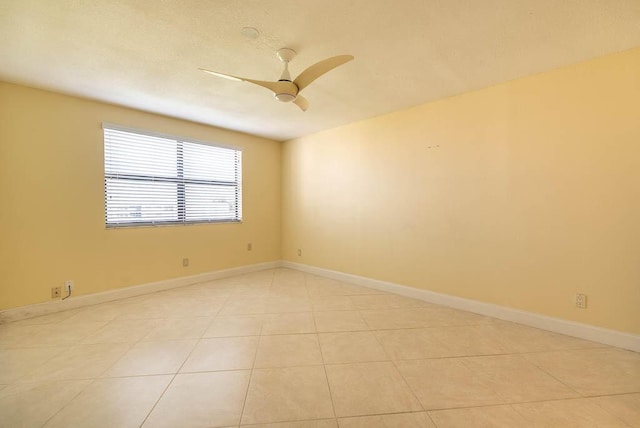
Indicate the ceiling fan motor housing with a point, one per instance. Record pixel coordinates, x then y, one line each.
286 91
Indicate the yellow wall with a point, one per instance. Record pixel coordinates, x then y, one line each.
52 202
521 195
531 194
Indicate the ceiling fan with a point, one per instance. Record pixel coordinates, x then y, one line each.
285 89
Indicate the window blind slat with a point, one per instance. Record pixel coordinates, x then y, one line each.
156 180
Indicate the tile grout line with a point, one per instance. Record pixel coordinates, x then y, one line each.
214 317
430 418
255 357
516 403
46 361
548 373
399 372
176 374
92 381
324 365
375 336
167 387
395 363
608 412
426 412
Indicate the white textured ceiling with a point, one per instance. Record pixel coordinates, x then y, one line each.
145 53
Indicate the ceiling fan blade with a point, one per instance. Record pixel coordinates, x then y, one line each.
301 102
269 85
320 68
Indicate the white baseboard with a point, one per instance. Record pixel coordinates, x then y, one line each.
31 311
570 328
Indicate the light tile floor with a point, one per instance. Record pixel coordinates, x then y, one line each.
281 348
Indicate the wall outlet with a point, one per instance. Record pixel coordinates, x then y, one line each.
185 262
249 246
68 286
581 301
56 292
299 252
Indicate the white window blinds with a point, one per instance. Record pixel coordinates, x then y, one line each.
153 179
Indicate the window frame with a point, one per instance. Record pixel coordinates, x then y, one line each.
180 181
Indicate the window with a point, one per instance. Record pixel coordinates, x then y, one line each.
152 179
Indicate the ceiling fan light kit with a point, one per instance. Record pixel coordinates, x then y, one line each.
286 90
285 97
